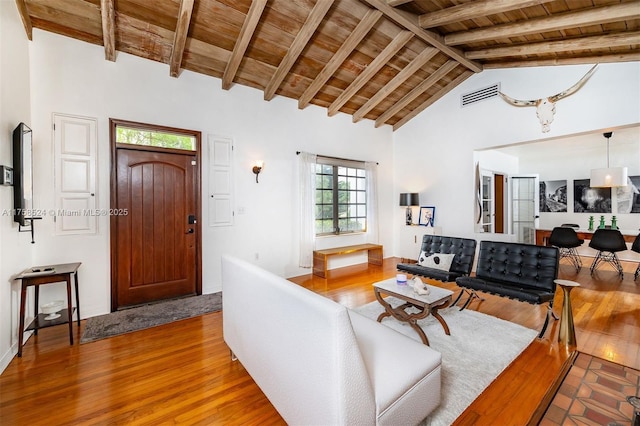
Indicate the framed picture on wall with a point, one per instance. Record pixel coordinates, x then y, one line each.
553 196
427 215
590 200
629 196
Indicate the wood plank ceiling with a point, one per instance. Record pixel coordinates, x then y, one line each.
383 60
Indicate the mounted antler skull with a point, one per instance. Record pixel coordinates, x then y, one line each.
546 107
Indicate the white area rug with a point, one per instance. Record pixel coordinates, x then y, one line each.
479 348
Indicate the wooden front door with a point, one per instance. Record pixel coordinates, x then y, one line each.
154 245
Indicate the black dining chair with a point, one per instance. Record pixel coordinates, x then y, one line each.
567 242
608 242
636 247
571 225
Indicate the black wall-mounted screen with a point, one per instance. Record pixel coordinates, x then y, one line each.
22 175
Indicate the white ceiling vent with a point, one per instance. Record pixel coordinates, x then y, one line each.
479 95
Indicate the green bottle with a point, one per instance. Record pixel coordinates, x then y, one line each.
590 223
601 226
614 224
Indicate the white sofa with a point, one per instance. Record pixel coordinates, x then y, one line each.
320 363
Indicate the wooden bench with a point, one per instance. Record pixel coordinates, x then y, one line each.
320 257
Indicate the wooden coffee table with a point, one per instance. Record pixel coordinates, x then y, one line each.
437 299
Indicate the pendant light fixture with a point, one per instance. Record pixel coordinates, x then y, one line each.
610 176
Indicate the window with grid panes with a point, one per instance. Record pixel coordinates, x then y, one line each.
341 198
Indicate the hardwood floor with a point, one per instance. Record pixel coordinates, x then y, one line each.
182 372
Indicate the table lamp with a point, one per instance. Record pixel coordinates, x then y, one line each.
409 199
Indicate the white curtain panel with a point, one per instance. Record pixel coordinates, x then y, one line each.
371 169
307 167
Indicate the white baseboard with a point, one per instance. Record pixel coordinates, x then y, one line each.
8 356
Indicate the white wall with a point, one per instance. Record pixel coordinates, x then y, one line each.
434 151
72 77
15 248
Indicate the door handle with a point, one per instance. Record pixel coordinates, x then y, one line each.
190 231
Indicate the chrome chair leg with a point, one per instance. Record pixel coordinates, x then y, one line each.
595 262
472 295
462 291
611 259
551 314
574 258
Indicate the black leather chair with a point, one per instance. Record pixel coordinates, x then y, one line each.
567 241
636 247
524 272
608 242
463 248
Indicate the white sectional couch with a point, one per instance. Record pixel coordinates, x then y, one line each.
320 363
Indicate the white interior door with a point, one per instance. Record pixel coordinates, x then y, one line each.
525 207
220 181
75 157
487 201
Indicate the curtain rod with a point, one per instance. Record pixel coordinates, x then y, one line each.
337 158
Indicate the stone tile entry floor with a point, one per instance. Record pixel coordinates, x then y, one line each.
594 392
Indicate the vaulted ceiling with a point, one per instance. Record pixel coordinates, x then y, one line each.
383 60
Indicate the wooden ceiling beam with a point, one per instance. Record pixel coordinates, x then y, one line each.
410 22
355 37
392 85
395 3
108 15
582 43
180 37
367 74
239 49
612 58
471 10
24 16
417 91
311 24
446 89
597 16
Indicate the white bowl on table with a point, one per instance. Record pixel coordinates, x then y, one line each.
52 309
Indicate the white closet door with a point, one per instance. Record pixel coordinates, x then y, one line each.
75 158
220 181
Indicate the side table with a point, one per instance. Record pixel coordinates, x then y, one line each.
567 333
41 275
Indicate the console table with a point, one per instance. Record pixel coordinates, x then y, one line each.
542 235
41 275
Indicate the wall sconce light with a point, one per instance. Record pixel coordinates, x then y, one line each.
409 199
258 168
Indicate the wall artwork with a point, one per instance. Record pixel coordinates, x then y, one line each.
427 215
590 200
629 196
553 196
